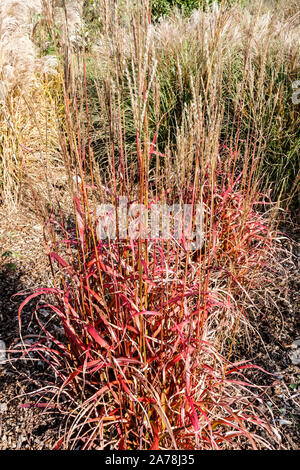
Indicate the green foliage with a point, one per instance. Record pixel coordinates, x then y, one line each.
93 20
164 7
8 255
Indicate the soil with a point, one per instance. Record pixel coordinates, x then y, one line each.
24 266
274 342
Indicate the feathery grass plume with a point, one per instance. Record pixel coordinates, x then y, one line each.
18 54
69 16
30 87
28 119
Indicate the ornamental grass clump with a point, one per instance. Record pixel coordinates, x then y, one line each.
147 323
153 272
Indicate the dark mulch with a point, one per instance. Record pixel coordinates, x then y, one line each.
21 428
272 344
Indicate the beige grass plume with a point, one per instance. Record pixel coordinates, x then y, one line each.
18 54
68 16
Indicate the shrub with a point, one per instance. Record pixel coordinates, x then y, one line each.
162 8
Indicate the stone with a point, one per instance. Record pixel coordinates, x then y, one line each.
295 357
3 407
284 422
